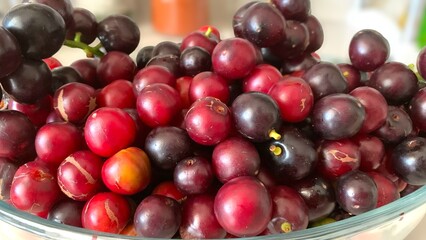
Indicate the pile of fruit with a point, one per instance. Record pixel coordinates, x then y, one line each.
206 138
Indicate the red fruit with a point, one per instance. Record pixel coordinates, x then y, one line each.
243 206
375 105
74 101
261 79
36 112
198 219
294 98
104 136
113 66
79 175
106 212
290 212
117 94
169 189
127 172
234 58
34 188
158 104
200 39
152 74
52 63
208 84
55 141
182 86
235 157
387 191
208 121
17 135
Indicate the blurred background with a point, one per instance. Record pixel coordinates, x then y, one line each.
403 23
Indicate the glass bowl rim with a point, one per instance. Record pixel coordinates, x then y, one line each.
365 221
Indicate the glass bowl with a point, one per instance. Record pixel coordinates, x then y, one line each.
393 221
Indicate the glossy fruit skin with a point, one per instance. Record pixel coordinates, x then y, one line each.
368 50
398 125
116 137
158 104
318 195
356 192
243 206
118 33
372 151
263 25
34 188
295 41
56 141
208 84
113 66
84 21
168 145
106 212
38 39
337 158
234 58
157 216
316 34
117 94
255 115
408 160
290 158
29 83
395 81
261 78
288 207
143 56
325 78
208 121
79 175
74 102
7 172
193 175
63 75
63 7
10 53
37 112
417 109
127 172
194 60
152 74
293 9
387 191
198 219
67 212
235 157
337 116
17 135
352 75
169 189
375 106
199 39
294 97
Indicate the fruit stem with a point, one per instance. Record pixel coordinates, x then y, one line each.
275 150
273 134
286 227
90 51
77 37
208 32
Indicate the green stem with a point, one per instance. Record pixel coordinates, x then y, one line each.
90 51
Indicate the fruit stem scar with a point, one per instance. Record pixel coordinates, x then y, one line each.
208 31
345 73
341 156
275 150
273 134
286 227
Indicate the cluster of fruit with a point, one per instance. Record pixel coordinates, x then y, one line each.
206 138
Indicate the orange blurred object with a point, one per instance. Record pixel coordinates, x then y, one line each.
179 17
129 230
